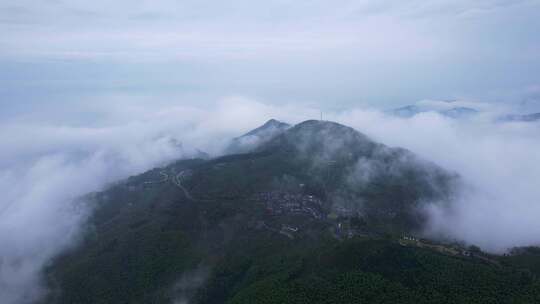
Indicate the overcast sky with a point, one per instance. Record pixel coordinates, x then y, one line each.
59 53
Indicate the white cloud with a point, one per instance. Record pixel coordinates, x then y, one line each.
499 163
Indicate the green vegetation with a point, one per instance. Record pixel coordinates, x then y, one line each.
382 272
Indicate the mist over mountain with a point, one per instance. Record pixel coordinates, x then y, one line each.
441 191
182 231
313 178
367 177
269 152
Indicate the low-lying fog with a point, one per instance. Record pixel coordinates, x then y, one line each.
44 166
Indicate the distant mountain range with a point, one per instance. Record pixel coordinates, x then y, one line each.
312 213
520 117
412 110
459 113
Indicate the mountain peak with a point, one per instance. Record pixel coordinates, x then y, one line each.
326 128
257 136
273 121
320 123
268 127
326 138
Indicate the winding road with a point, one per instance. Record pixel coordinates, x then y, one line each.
177 181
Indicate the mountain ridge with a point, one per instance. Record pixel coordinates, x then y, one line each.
458 112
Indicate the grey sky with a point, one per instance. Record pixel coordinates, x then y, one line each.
351 53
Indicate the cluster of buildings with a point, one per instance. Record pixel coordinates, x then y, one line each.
280 203
449 249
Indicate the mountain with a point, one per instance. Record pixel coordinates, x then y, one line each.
453 112
317 213
520 117
271 127
459 112
257 136
406 111
356 175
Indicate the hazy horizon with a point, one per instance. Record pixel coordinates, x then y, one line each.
56 54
